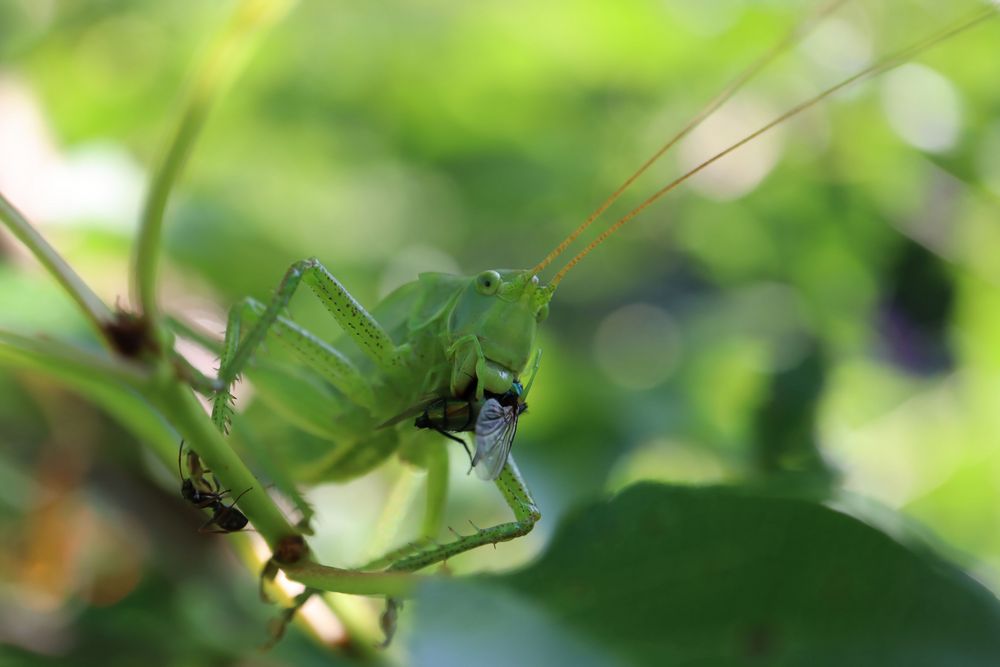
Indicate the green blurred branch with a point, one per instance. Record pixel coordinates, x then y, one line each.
193 333
221 65
93 308
337 580
70 358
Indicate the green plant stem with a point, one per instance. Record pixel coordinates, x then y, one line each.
70 358
221 65
193 333
93 308
191 376
337 580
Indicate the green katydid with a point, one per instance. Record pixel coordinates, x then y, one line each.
447 342
464 338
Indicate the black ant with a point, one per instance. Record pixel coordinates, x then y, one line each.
197 490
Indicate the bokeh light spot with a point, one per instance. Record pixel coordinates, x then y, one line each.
922 107
637 346
839 47
742 170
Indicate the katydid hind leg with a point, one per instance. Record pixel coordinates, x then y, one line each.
357 322
314 352
526 515
238 348
399 553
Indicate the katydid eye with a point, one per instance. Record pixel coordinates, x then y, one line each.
542 313
488 282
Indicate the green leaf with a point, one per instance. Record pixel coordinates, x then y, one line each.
665 575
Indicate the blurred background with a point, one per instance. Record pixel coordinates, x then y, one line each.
817 315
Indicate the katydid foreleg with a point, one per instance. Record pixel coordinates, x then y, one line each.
471 366
437 490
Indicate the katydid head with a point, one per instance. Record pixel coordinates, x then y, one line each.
502 310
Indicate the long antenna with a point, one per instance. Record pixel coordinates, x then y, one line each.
790 38
883 65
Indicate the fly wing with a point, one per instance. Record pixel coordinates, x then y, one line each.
495 430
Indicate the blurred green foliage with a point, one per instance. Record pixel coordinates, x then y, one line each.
706 576
819 322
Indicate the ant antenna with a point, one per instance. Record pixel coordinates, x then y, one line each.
237 498
180 453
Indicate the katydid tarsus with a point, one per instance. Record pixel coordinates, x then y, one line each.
464 340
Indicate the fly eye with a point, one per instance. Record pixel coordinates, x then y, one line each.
542 313
488 282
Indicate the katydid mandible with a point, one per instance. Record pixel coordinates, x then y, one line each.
449 352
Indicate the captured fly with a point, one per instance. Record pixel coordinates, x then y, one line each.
494 422
448 415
